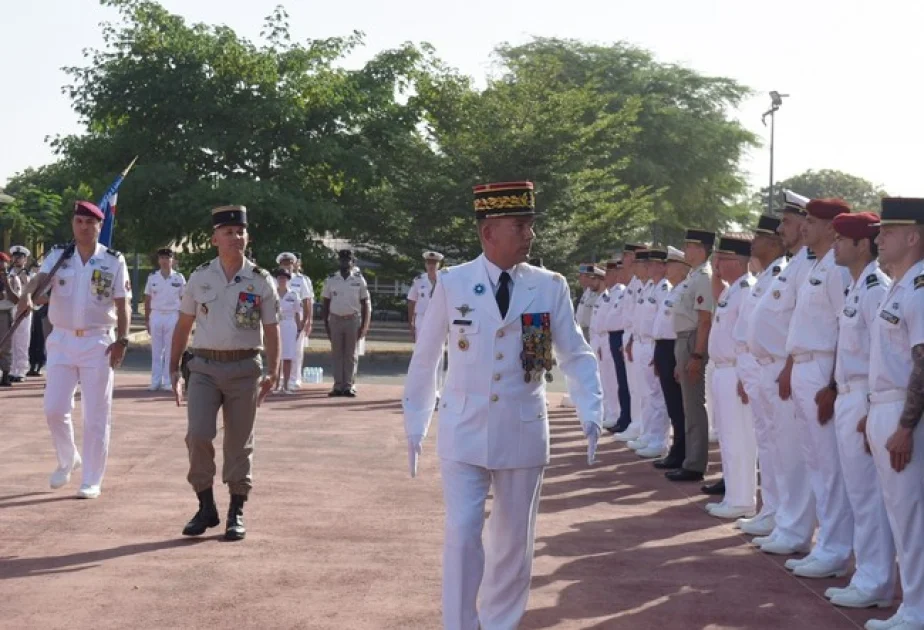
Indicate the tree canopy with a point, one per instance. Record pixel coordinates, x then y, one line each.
862 195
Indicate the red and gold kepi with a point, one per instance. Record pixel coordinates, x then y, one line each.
504 199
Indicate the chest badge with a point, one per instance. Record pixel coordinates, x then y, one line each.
250 287
464 310
776 295
463 344
479 289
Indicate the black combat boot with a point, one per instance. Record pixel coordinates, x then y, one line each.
206 517
234 524
5 380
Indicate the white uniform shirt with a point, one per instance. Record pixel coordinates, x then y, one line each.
420 293
813 327
82 295
640 299
750 300
645 311
898 327
615 316
663 326
166 293
722 344
628 306
596 311
585 308
855 322
12 284
290 305
302 286
345 294
768 326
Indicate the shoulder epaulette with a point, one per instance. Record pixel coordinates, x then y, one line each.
919 281
776 270
558 277
810 255
260 270
204 265
444 270
59 246
743 284
871 281
112 252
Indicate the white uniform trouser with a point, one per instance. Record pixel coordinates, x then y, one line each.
903 494
657 422
73 360
737 441
834 541
162 325
601 347
749 373
298 359
710 401
288 344
486 585
20 347
872 535
795 514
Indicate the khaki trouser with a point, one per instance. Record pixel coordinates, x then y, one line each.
344 335
694 405
234 388
6 353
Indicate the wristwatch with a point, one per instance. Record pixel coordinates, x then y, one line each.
122 341
696 355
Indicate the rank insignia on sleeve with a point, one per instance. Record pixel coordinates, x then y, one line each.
814 282
743 284
873 281
699 299
919 281
776 270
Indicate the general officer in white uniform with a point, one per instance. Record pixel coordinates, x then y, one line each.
733 420
301 285
346 313
873 583
503 318
767 332
91 296
896 380
235 308
810 346
162 294
19 257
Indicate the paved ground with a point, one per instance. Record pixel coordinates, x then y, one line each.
339 537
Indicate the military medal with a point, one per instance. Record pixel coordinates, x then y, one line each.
776 295
463 344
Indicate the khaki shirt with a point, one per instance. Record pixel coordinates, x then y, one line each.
695 295
345 294
11 283
229 314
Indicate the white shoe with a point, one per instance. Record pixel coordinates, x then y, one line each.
819 570
627 436
854 598
779 548
295 385
836 590
757 526
793 563
713 437
609 424
637 444
762 540
166 387
651 452
153 388
727 511
62 476
88 492
892 623
712 506
907 624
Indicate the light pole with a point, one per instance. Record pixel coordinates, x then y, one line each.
776 99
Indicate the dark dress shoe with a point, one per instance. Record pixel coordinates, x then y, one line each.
682 474
714 489
349 393
16 379
206 517
234 524
619 428
334 393
667 464
5 380
33 372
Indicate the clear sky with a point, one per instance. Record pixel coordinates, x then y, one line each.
848 65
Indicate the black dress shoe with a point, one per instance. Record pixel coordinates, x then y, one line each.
33 372
234 524
682 474
334 393
206 517
714 489
619 428
349 393
16 379
667 464
5 380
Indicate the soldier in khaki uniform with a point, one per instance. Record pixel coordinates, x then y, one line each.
692 323
9 297
230 300
346 313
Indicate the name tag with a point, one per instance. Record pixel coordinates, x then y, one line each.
889 317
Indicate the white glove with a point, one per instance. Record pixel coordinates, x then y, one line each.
592 431
414 448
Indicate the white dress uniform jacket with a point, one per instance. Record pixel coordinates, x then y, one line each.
489 415
600 344
420 293
165 293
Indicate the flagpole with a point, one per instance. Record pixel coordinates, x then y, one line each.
106 205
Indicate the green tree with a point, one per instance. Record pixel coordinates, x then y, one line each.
861 194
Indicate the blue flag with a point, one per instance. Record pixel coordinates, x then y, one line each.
108 205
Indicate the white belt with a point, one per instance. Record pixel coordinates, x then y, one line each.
741 348
805 357
645 339
719 363
768 360
84 332
887 396
169 311
855 384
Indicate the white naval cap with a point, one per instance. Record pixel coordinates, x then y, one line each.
19 249
430 255
794 202
675 255
286 256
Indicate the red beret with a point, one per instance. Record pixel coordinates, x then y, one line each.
856 226
4 257
87 209
826 209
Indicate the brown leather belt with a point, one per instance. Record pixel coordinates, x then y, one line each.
224 356
350 316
